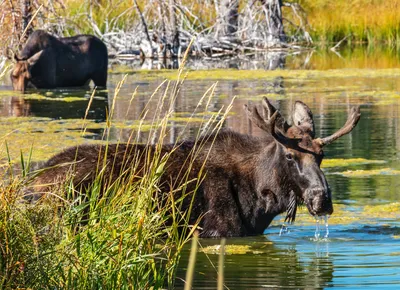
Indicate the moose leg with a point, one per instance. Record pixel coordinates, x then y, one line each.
100 78
222 218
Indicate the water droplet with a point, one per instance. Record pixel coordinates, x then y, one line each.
326 226
317 228
284 230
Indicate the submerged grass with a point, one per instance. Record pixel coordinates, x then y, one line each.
119 237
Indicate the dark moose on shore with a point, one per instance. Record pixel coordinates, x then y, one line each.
246 180
48 62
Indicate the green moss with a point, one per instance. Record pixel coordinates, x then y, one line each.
34 97
187 119
10 93
229 249
364 173
208 114
391 210
340 162
227 74
52 98
343 214
47 137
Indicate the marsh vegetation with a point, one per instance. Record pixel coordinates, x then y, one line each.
365 208
125 243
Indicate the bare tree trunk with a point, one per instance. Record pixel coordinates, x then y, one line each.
274 29
26 15
228 18
175 47
147 48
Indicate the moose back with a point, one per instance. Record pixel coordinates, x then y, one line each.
247 180
50 62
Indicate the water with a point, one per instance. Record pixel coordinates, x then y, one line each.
363 247
317 233
354 257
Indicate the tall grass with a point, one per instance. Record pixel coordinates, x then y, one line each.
127 235
369 21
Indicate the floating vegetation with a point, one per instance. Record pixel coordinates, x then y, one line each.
364 173
186 119
232 74
189 115
344 214
229 250
383 211
54 97
10 93
47 136
340 162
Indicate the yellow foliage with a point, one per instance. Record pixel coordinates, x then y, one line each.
372 20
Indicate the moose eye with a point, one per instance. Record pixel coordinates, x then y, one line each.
289 156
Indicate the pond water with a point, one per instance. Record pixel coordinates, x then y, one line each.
363 249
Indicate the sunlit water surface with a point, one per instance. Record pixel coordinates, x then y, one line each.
363 248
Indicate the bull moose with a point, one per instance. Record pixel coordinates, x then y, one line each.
49 62
247 180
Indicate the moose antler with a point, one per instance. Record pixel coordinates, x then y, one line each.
268 123
352 120
269 110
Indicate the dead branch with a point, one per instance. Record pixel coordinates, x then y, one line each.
146 30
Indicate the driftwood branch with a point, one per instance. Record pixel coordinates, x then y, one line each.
339 43
220 28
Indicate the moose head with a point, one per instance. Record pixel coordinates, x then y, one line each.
293 158
21 73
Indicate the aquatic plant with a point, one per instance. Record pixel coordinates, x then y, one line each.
363 173
340 162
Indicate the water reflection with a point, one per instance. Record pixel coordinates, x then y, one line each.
267 265
320 58
55 104
266 61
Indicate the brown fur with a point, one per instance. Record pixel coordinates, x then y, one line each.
247 180
49 62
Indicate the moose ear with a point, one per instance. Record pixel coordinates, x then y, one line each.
302 117
34 58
